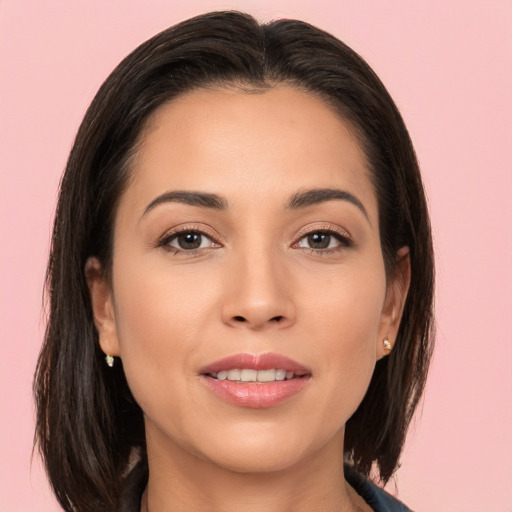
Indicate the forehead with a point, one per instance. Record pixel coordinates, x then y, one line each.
266 142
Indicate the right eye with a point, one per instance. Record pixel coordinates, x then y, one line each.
187 241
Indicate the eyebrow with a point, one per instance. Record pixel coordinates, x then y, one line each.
297 201
201 199
321 195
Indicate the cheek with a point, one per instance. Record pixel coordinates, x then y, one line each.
344 323
159 318
348 305
156 307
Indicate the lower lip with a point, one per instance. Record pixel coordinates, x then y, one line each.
256 395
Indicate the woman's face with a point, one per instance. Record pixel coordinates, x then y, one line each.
247 239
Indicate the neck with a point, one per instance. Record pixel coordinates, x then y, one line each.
179 480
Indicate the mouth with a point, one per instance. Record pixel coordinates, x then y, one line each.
251 375
256 381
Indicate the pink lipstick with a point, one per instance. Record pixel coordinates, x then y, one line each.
256 380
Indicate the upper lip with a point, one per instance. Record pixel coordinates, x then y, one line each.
265 361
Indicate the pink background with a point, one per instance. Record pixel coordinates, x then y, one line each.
448 65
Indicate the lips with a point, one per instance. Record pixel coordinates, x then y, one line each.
265 361
255 380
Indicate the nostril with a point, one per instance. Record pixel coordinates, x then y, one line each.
242 319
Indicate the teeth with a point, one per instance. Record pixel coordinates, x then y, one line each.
281 374
234 375
247 375
266 375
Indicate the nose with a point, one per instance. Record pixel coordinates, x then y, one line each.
258 294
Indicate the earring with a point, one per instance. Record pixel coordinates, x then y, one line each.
387 345
109 360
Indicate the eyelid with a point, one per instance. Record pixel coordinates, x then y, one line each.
342 236
201 229
324 227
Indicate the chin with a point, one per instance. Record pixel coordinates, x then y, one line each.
256 460
259 449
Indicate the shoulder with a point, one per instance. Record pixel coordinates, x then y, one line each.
377 498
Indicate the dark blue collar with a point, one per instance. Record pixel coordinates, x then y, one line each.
377 498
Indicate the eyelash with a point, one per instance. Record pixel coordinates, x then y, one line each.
344 240
169 237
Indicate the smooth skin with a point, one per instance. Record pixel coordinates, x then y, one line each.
192 284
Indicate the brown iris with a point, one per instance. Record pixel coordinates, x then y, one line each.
319 240
189 240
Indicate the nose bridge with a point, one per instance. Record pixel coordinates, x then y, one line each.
256 294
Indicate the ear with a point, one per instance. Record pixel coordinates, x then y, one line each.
102 307
396 294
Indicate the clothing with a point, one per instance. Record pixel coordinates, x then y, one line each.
378 499
135 484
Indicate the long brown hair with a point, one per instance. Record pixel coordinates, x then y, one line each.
87 420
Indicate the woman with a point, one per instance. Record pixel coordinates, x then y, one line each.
240 280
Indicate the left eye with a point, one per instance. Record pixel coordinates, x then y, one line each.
189 241
321 240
